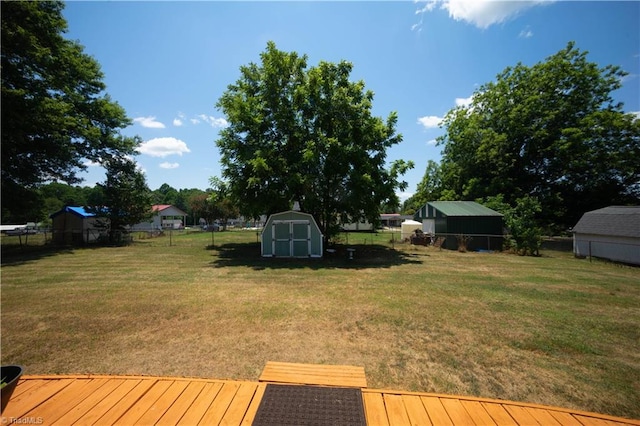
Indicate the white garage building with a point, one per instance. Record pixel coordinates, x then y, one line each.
611 233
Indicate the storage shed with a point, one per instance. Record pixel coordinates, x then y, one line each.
291 234
610 233
481 226
75 225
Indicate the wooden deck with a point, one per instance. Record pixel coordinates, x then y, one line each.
129 400
314 374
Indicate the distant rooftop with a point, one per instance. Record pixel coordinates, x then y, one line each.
79 211
621 221
462 208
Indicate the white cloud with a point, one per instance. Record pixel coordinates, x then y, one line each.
428 6
167 165
213 121
526 33
194 121
149 122
636 113
482 13
179 120
464 102
163 147
89 163
432 142
430 121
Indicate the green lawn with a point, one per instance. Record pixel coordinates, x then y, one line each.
552 329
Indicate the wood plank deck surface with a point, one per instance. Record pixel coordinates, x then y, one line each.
132 400
314 374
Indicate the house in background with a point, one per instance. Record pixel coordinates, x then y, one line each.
74 225
392 220
611 233
481 226
291 234
363 225
165 216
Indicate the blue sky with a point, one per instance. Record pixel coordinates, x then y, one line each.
167 63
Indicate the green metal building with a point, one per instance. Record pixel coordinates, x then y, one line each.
291 234
481 227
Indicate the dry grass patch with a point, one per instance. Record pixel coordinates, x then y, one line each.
552 330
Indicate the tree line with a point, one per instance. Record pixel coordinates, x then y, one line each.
542 143
547 138
197 203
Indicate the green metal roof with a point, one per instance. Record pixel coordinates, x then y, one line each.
463 208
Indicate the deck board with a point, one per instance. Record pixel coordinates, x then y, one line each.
161 405
415 410
479 414
34 397
565 419
144 403
180 406
196 411
456 411
119 408
543 417
219 407
374 409
254 405
498 414
314 374
436 411
102 388
62 402
100 408
238 407
396 411
129 400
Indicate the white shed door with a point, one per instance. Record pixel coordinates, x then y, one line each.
429 226
291 238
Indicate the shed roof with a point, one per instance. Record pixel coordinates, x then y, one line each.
292 214
78 211
620 221
463 208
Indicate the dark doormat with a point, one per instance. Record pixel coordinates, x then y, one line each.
310 405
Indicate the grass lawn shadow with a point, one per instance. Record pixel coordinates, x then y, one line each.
16 255
365 256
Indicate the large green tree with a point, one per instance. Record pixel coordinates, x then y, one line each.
220 205
127 198
428 189
550 131
55 113
308 135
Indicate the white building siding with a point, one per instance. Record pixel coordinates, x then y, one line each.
615 248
